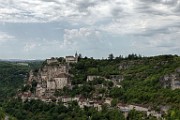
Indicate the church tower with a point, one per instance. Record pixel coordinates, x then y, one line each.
76 56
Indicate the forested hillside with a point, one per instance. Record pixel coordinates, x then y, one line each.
12 77
143 83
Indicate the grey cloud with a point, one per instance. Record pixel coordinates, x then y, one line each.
117 12
166 2
172 5
168 30
83 5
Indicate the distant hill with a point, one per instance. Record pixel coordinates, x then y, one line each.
19 60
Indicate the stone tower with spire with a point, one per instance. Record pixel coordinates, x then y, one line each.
76 56
72 59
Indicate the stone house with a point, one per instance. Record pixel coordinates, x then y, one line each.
126 108
76 98
82 102
66 99
58 82
97 106
123 108
61 80
51 85
108 101
92 77
72 59
138 108
52 60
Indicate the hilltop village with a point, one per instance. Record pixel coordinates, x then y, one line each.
54 75
57 81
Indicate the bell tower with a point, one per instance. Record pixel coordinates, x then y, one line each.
76 56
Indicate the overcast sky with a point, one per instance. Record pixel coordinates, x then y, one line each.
38 29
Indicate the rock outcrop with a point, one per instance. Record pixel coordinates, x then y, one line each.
52 76
172 80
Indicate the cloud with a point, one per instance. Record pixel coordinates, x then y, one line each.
5 37
159 43
88 41
130 16
73 38
30 46
72 25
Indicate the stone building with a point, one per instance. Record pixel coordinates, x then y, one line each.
52 60
72 59
50 77
51 85
92 77
58 82
61 80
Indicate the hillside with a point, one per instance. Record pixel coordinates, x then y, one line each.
12 77
141 85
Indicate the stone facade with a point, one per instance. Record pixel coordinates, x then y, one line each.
127 108
61 81
51 85
92 77
108 101
58 82
50 61
72 59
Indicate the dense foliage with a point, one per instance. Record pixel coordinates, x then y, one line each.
12 77
141 84
38 110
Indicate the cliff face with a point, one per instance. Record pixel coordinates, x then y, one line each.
172 80
49 78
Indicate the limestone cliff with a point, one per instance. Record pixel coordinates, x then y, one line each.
171 80
52 76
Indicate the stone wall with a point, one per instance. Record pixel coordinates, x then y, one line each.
61 82
92 77
50 61
71 59
51 85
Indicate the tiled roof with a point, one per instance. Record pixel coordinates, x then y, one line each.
69 56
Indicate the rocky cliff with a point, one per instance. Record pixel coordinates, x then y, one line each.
52 76
171 80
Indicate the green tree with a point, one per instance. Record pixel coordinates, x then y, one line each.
135 115
12 118
2 114
114 102
111 56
